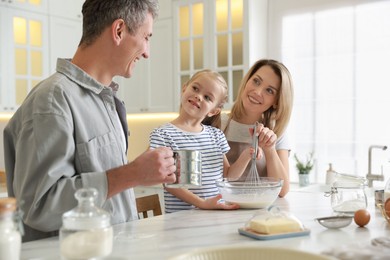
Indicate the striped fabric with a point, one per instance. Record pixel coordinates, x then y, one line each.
212 144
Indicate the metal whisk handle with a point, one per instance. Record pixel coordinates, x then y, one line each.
255 140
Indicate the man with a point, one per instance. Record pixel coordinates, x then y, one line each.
67 133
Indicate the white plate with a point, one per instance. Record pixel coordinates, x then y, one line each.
249 253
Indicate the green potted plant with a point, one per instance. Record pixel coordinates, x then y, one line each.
304 167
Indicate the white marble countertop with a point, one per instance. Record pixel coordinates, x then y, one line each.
168 235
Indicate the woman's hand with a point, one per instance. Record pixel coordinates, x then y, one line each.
267 137
250 151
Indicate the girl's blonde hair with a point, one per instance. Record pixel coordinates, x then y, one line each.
215 76
276 117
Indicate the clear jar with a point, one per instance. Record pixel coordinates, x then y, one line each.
86 230
10 237
347 197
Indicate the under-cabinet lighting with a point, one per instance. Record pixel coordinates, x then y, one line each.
152 116
5 116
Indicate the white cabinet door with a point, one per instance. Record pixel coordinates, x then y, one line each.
37 6
65 35
150 88
24 62
70 9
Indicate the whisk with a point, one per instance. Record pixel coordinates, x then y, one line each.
252 179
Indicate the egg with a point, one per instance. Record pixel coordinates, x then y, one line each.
362 217
387 207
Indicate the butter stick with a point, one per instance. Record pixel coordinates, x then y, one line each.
274 225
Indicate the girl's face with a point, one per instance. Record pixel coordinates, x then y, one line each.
201 97
261 91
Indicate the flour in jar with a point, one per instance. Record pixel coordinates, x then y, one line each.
350 206
87 244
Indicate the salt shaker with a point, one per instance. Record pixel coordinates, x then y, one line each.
86 230
10 237
330 175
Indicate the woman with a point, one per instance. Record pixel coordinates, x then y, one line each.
266 96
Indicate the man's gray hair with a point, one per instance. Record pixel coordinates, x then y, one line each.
98 14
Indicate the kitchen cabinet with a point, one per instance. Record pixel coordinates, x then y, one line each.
33 35
24 53
65 29
66 9
65 35
224 35
37 6
227 36
150 88
65 22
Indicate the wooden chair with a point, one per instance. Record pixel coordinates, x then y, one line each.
147 203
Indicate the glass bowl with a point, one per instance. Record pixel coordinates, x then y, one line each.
250 195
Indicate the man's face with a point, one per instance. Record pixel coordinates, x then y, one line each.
136 46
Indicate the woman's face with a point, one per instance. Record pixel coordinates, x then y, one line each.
261 91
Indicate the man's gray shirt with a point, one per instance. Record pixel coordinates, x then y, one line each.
64 137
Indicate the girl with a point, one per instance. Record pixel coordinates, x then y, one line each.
265 95
202 97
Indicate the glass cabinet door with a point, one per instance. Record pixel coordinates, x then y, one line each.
25 38
210 34
190 39
228 33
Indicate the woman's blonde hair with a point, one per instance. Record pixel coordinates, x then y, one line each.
276 117
217 77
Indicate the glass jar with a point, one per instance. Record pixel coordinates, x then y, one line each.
347 197
86 230
10 237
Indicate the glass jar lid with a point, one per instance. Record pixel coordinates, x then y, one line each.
348 185
86 215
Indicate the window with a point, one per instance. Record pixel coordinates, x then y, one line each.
338 54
